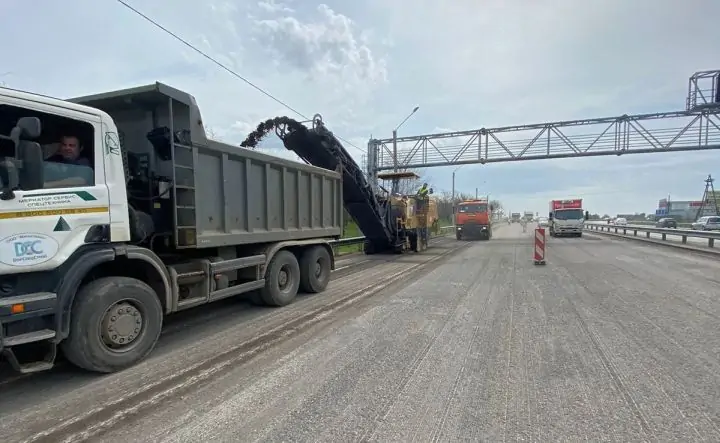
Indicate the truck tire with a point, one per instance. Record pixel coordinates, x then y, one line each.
115 322
282 280
314 270
458 236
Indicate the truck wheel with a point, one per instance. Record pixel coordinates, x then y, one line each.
458 236
315 270
282 280
115 322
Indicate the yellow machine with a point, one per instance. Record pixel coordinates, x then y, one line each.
414 217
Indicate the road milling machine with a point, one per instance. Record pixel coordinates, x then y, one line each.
415 218
390 223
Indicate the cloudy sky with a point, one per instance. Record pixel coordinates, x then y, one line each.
364 65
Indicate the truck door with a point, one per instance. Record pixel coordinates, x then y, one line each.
41 228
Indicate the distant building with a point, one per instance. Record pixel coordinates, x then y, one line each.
679 210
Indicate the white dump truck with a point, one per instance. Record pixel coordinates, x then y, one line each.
116 210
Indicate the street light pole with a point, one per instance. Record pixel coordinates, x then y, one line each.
395 189
453 188
395 159
453 184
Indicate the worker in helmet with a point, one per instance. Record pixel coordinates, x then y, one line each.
424 191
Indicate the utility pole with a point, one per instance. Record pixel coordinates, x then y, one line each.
395 189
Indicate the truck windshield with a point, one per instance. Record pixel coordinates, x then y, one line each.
473 208
569 214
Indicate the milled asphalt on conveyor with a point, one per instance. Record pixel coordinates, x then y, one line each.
610 341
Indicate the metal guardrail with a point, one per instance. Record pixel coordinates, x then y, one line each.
644 223
684 234
347 241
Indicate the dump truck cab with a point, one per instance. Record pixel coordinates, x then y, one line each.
473 219
116 210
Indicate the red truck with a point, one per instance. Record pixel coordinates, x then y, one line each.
473 219
566 217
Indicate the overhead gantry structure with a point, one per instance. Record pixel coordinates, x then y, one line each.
697 128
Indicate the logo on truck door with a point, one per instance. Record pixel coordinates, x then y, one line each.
27 249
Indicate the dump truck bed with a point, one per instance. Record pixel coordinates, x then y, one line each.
248 197
224 194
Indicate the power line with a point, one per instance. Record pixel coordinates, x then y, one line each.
223 66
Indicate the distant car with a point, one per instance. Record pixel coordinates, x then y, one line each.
666 223
620 221
707 223
543 222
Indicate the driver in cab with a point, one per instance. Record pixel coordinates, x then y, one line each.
67 167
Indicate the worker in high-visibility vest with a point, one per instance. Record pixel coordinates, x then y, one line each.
424 191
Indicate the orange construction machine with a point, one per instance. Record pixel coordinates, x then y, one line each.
472 219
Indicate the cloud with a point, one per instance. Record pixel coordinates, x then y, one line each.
328 46
272 6
365 65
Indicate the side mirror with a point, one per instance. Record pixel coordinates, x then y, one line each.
430 191
32 173
27 128
30 126
8 179
492 208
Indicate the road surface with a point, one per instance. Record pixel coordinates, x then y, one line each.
610 341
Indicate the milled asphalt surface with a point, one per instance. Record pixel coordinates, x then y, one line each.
610 341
